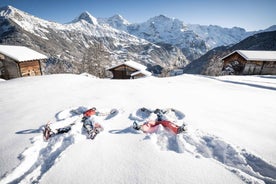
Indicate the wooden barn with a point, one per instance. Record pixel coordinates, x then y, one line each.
129 70
19 61
249 62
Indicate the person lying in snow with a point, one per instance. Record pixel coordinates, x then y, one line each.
48 132
150 126
89 124
88 121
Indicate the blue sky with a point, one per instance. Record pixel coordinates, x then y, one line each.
248 14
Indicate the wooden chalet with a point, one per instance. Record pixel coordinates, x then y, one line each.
19 61
252 62
129 70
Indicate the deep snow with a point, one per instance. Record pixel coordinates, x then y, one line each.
231 130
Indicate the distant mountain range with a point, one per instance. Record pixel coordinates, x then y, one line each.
160 42
67 44
194 40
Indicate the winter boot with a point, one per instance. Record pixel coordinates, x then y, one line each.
63 130
157 111
91 134
181 129
136 126
47 133
94 133
97 130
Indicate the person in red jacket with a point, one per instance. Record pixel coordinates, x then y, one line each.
150 126
89 124
91 112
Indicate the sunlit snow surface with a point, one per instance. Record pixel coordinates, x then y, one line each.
230 137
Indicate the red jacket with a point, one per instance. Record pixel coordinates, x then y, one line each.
90 112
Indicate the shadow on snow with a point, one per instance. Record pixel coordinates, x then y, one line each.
250 168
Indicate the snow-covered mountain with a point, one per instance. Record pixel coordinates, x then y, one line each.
194 40
86 16
164 30
160 41
69 42
117 21
216 36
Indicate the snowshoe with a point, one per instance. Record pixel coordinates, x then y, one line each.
136 126
47 132
95 131
181 129
158 111
92 134
64 129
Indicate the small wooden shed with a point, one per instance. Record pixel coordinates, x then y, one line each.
129 70
249 62
19 61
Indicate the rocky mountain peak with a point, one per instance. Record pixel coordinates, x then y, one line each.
119 18
6 11
9 11
86 16
160 18
118 22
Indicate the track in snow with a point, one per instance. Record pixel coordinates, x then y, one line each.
41 156
249 167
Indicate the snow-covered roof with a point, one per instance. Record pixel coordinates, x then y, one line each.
20 53
255 55
144 72
131 64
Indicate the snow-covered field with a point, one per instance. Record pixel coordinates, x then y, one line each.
230 139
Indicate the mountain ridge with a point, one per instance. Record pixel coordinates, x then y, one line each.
68 43
193 39
161 42
86 16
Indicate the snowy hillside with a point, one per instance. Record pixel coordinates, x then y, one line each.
230 138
